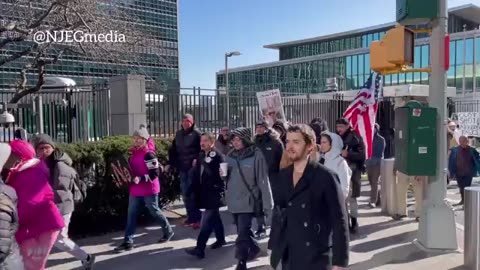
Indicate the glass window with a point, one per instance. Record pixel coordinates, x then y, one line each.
459 52
369 39
361 65
477 47
367 64
469 51
452 52
417 57
355 64
364 41
425 56
376 36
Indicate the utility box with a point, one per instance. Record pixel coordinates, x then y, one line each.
415 12
416 139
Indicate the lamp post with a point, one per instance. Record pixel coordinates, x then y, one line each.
227 92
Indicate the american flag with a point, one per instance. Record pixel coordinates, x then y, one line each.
362 111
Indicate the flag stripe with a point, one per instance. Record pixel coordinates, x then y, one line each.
362 112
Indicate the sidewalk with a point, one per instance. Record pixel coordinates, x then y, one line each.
381 244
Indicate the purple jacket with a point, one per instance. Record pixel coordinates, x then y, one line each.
144 165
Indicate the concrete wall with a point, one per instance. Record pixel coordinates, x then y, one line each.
127 103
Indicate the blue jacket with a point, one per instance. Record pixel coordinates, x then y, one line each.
452 161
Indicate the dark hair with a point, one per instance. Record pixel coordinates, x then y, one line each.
306 131
328 137
343 121
209 135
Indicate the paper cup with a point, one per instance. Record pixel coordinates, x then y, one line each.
223 169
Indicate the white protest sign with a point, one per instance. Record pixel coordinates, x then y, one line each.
469 123
271 106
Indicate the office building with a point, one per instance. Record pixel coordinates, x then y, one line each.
343 60
156 19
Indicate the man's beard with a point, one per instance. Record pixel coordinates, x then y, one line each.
299 157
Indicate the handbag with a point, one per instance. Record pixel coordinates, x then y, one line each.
257 202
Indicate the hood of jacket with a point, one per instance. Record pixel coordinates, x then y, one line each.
59 156
337 146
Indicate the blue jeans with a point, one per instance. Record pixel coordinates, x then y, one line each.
211 222
193 213
151 202
245 243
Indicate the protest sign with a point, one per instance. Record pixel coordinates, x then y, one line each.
120 170
271 106
468 122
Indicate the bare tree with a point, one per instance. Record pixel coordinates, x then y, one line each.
48 31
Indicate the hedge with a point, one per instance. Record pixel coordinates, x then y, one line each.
105 208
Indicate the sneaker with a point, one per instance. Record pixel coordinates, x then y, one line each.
242 265
125 246
195 252
261 233
166 238
218 244
187 223
88 263
195 225
372 205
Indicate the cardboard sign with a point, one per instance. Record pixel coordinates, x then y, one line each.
120 170
271 105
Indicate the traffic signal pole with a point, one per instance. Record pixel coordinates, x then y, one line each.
437 229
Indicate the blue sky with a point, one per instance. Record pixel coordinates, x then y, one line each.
209 28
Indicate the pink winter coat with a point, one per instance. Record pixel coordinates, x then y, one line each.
37 213
139 168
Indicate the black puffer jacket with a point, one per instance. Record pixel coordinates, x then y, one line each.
10 258
272 149
356 150
185 148
208 186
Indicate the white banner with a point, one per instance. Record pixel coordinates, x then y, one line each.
271 106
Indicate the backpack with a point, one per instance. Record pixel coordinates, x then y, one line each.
79 190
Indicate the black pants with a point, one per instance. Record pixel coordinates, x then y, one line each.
245 242
211 222
356 182
463 182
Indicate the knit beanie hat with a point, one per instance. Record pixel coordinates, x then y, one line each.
262 123
22 149
40 139
142 132
243 133
5 151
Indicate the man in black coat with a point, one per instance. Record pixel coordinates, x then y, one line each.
354 153
268 141
209 192
309 225
183 155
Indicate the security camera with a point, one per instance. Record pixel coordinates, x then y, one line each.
6 119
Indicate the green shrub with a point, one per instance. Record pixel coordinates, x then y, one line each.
105 208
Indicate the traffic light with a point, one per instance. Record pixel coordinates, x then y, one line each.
394 51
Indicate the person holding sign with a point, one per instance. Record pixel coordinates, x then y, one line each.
145 188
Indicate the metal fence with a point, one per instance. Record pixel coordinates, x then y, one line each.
208 106
68 116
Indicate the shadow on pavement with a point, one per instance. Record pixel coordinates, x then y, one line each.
383 242
391 256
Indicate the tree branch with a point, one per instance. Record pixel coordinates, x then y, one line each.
40 20
4 42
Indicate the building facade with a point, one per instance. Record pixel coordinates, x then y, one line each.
157 20
305 65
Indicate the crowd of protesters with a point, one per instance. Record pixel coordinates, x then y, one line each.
302 181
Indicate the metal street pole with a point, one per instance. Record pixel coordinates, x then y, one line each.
437 228
227 92
475 63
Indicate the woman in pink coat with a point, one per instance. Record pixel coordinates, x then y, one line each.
39 219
